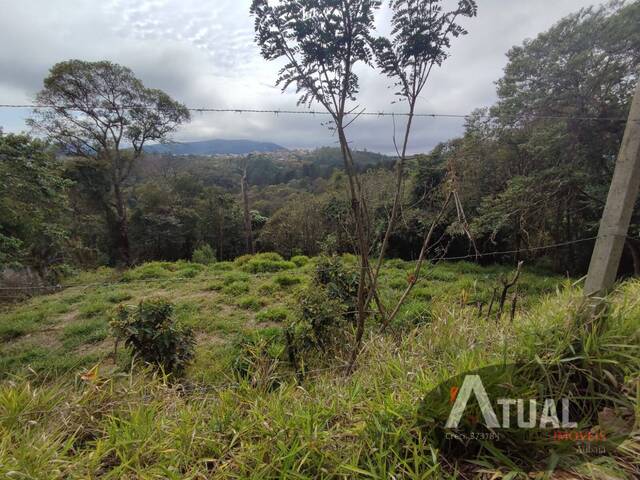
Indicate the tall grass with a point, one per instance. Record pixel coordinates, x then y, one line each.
136 424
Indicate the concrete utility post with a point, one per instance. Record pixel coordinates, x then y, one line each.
614 225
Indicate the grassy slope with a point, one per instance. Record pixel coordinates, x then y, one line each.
133 425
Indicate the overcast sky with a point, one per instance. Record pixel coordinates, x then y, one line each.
202 53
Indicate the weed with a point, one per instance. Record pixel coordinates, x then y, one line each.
276 314
251 302
285 280
300 260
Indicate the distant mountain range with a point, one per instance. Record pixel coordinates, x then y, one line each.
213 147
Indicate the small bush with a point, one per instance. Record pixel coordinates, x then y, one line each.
232 277
215 286
300 260
204 255
221 266
339 280
118 297
236 288
242 259
148 271
251 303
284 280
151 332
267 289
257 265
274 314
190 271
273 256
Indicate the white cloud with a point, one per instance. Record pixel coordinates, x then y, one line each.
202 53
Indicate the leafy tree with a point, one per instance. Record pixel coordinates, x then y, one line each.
420 37
298 227
101 112
322 41
32 204
537 170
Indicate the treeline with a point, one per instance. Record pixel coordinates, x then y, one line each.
532 170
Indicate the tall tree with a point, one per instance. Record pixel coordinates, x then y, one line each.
420 38
244 192
322 41
101 111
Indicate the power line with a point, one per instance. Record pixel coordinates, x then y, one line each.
523 250
311 112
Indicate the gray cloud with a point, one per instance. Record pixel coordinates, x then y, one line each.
202 53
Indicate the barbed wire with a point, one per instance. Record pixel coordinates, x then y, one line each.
312 112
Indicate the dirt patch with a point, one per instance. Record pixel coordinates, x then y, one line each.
210 338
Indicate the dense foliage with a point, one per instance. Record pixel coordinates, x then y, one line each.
33 203
532 170
152 333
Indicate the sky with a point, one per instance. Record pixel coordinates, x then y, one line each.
202 53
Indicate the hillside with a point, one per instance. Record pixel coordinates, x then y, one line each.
213 147
240 412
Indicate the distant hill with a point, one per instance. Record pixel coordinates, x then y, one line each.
264 168
214 147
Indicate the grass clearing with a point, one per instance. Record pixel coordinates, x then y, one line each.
219 424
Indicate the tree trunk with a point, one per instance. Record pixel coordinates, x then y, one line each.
571 257
122 225
247 214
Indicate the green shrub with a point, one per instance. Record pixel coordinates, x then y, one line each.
267 289
300 260
285 280
236 288
148 271
151 332
339 281
275 314
273 256
242 259
190 271
204 255
325 316
257 265
232 277
251 303
221 266
118 297
215 286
